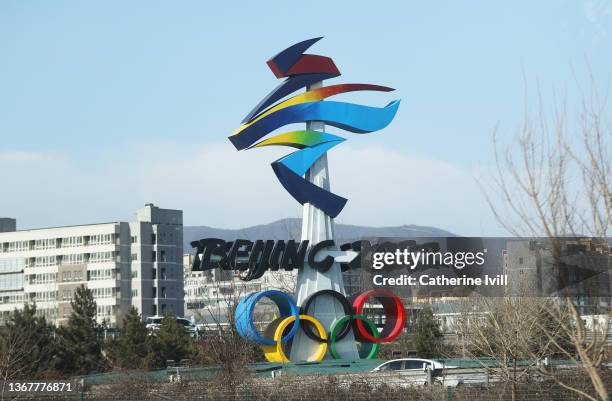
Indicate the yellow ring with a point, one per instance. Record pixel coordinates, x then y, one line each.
275 353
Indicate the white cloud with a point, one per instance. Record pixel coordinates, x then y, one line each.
215 185
397 188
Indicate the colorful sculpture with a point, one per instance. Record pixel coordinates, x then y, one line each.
281 331
302 70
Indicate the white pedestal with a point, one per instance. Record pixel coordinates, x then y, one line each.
316 227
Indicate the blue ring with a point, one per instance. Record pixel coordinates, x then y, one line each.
244 315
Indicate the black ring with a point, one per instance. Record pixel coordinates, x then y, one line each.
348 310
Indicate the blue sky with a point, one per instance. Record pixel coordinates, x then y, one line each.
105 106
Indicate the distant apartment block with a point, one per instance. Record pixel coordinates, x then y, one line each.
135 263
582 271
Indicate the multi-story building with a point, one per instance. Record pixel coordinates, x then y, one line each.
135 263
581 271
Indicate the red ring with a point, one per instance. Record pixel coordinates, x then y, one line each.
394 312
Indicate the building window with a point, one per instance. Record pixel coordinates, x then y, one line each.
72 242
103 292
66 295
48 243
45 296
42 261
12 265
101 257
101 239
134 257
103 274
42 278
105 310
18 246
12 299
11 281
73 259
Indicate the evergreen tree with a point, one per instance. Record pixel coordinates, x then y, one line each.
133 347
80 347
428 337
30 341
172 340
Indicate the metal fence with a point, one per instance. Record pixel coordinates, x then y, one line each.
449 394
310 389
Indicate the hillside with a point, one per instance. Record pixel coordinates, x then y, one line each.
290 228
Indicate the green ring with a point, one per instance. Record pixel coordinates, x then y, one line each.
337 325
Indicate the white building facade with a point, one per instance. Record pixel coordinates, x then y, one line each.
135 263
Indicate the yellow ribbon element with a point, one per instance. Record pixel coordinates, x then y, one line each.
312 96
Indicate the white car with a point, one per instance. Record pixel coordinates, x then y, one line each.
153 323
409 364
410 369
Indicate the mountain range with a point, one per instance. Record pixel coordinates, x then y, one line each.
290 228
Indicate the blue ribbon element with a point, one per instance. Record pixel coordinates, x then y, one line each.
306 192
348 116
299 162
302 190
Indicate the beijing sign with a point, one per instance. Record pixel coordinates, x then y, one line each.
255 258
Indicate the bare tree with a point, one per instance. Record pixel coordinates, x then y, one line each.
220 343
588 351
554 181
14 357
507 333
282 280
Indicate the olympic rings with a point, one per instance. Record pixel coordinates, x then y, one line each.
244 315
275 353
373 351
283 328
394 311
346 306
